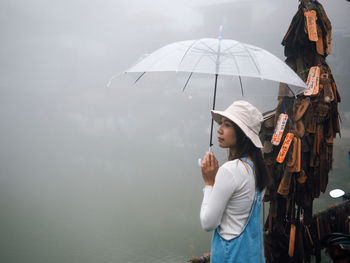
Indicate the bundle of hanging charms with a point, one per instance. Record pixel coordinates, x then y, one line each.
298 139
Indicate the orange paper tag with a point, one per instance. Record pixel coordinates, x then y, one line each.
279 129
285 146
311 24
313 81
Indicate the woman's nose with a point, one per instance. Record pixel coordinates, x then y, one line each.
220 130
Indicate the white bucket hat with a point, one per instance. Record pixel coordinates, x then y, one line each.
246 116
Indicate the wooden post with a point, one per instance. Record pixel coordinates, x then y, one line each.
306 3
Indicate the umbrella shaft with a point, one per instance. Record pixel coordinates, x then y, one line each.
212 120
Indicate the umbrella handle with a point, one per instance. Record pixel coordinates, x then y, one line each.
200 159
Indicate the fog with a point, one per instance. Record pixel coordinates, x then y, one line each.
92 172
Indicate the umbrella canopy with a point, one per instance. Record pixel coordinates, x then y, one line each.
221 57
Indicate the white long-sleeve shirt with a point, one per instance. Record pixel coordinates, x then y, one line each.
228 202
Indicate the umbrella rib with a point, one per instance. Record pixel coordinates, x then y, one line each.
215 52
209 54
201 50
226 50
227 53
158 60
139 77
194 42
239 74
234 59
240 81
252 58
233 56
188 79
199 60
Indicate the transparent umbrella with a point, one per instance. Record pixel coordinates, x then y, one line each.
219 57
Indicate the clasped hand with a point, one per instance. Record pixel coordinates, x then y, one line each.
209 168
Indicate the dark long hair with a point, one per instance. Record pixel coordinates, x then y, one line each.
246 148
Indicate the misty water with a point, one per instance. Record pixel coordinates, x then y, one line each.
98 173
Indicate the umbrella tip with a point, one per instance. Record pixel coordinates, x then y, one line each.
220 32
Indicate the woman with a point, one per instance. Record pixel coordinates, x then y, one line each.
233 193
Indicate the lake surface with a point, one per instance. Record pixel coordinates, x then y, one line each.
75 197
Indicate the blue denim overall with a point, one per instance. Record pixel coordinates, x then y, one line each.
247 246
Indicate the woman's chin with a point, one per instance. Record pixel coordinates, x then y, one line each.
222 145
